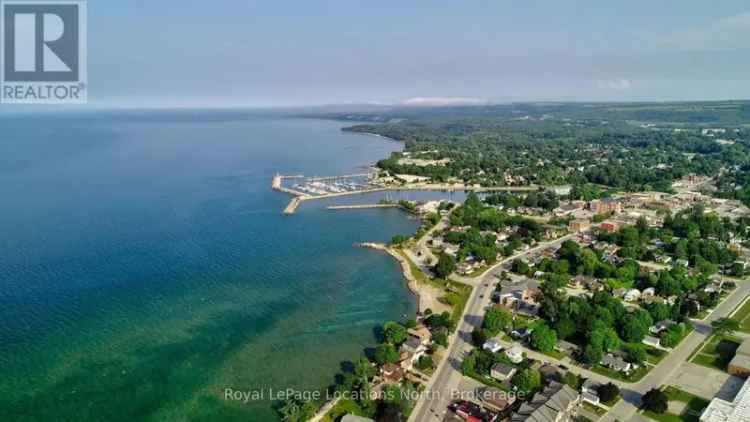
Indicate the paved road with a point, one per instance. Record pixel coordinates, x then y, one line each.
434 404
667 368
445 382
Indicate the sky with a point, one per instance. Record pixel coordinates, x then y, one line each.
226 53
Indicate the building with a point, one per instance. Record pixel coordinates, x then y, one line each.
605 206
616 363
609 226
496 399
354 418
578 225
652 341
515 354
422 333
723 411
392 373
502 372
521 296
556 403
740 364
492 345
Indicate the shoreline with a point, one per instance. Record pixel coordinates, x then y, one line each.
411 281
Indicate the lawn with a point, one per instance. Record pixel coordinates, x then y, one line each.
743 316
634 376
342 408
717 352
654 356
695 406
594 409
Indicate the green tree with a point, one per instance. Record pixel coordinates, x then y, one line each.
527 380
543 338
725 326
636 353
608 392
497 320
655 400
386 353
445 266
394 333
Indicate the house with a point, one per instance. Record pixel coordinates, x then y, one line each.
609 226
551 372
664 259
648 292
556 403
739 366
354 418
590 391
492 345
652 341
392 373
502 372
411 351
632 295
496 399
660 326
605 206
720 410
520 296
521 333
616 363
682 263
576 226
515 354
422 333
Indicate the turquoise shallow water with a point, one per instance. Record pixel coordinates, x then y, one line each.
145 265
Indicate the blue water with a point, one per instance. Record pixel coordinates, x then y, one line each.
145 265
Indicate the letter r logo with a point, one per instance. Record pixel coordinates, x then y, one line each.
41 42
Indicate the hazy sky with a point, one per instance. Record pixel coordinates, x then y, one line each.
222 52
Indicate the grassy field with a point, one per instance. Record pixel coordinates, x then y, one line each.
634 376
342 408
691 413
743 316
717 352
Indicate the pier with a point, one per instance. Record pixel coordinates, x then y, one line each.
358 189
362 207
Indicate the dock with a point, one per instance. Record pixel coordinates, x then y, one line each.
300 196
362 206
293 204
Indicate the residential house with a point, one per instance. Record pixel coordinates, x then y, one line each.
521 333
349 417
609 226
648 292
632 295
590 391
556 403
515 354
492 345
578 225
392 373
660 326
502 372
411 350
616 363
521 296
420 332
496 399
652 341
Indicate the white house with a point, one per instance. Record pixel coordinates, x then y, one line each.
515 354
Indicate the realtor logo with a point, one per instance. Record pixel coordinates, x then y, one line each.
43 51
